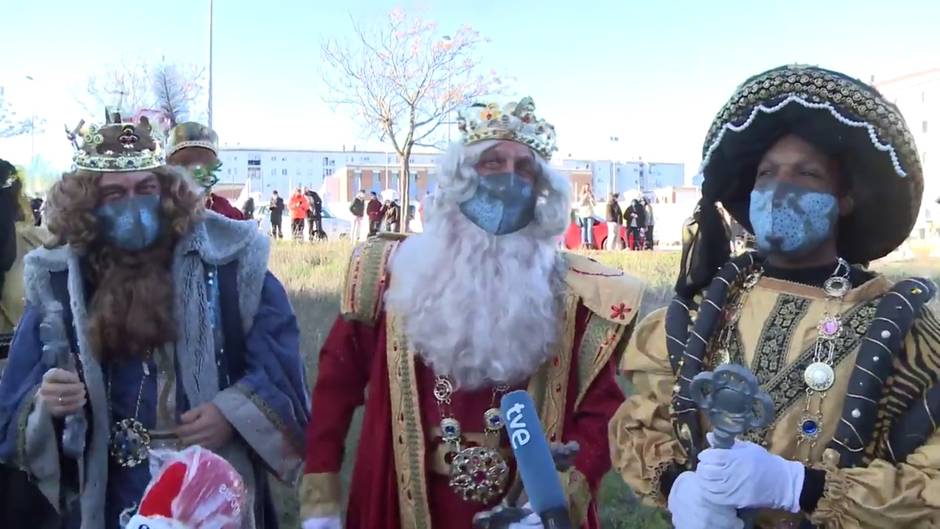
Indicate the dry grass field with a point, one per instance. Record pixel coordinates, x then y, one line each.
313 276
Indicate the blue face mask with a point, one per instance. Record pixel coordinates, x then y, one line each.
503 203
132 224
791 219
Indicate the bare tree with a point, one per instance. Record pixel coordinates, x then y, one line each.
125 86
10 124
175 89
131 86
403 81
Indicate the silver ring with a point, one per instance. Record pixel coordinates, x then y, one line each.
60 399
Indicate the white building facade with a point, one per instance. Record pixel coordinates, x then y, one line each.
267 170
918 97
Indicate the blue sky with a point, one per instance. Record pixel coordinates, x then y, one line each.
652 73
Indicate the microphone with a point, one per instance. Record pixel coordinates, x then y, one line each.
534 460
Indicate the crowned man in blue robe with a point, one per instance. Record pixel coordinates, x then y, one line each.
150 324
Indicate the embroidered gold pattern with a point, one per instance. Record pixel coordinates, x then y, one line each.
407 433
786 386
598 343
774 341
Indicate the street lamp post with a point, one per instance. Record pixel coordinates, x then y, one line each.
614 140
32 122
210 63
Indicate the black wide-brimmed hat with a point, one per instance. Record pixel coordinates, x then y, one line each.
843 117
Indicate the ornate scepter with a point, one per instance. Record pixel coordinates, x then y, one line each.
733 401
56 351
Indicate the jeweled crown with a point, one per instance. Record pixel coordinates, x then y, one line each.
116 146
192 134
513 121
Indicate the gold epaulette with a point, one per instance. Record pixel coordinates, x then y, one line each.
366 277
613 297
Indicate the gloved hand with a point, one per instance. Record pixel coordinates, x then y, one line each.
690 509
325 522
748 476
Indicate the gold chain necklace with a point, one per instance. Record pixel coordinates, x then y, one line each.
819 375
477 473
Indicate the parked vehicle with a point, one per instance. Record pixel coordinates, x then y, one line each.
572 237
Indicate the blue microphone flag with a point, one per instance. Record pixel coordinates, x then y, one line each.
533 458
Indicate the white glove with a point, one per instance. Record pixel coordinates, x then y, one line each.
690 510
325 522
748 476
532 521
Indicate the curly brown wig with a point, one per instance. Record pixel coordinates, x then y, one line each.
130 310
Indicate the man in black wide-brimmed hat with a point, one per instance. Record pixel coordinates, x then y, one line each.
824 172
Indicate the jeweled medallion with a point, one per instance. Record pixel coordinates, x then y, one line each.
130 443
479 474
819 376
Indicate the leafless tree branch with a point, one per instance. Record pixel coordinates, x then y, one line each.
403 80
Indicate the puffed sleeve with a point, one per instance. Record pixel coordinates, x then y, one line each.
643 448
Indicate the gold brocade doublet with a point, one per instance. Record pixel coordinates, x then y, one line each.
775 337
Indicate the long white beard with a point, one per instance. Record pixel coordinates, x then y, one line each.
479 308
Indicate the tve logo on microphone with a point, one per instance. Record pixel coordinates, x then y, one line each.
519 436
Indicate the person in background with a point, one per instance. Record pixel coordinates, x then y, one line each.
358 209
650 222
276 208
22 505
314 215
36 206
635 219
614 219
392 216
195 147
299 207
375 211
586 205
248 209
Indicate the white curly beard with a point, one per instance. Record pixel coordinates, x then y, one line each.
479 308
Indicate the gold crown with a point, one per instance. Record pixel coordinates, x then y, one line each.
513 121
116 146
192 134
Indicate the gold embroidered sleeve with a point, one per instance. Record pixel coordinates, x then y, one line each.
884 495
366 278
641 440
320 496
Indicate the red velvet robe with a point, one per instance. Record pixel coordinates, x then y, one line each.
354 356
222 206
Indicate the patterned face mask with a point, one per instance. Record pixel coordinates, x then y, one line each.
503 203
791 219
131 224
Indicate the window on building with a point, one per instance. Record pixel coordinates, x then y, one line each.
283 172
326 160
273 172
274 158
254 162
283 158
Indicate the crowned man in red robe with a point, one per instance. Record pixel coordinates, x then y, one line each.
441 325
